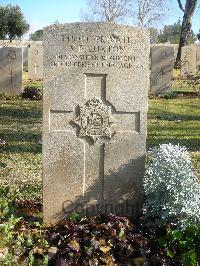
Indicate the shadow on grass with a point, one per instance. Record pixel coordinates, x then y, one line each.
21 142
172 116
17 113
22 148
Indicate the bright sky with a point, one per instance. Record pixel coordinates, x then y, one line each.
40 13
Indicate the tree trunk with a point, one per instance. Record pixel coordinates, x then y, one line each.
190 6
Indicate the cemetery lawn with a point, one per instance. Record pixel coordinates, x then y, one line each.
175 121
21 157
169 120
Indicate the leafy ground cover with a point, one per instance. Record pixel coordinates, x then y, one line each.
103 240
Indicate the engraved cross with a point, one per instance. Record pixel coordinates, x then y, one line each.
35 68
95 122
11 77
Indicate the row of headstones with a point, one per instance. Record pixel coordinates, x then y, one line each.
96 80
12 62
162 59
162 63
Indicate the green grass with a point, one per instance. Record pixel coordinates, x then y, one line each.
172 120
175 121
21 157
26 81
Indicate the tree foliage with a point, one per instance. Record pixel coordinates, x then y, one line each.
36 36
111 11
12 22
188 11
171 33
3 23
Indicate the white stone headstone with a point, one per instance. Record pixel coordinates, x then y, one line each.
11 65
162 63
96 81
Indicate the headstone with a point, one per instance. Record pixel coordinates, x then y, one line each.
162 63
175 46
25 56
35 62
95 111
188 60
198 57
11 64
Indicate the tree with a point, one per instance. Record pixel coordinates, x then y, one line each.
171 33
36 36
12 22
3 23
149 12
188 12
198 36
111 11
153 35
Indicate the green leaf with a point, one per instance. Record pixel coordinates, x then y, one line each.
189 258
162 242
170 254
176 235
121 233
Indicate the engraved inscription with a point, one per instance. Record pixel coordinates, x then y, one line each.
96 52
94 120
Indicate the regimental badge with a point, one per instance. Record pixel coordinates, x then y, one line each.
94 120
11 54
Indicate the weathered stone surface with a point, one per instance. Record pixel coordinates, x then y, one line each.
198 57
11 70
188 60
96 81
35 62
162 63
25 56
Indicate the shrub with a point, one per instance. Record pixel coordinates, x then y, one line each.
32 93
172 191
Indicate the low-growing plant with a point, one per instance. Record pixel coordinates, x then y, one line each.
172 191
32 92
6 203
182 245
5 96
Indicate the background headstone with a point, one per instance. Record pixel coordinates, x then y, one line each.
188 60
96 81
11 64
35 62
25 56
162 63
175 51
